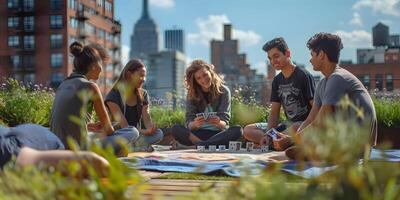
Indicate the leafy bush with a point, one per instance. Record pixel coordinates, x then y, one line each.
21 104
167 117
388 112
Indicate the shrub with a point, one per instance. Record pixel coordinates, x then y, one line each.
167 117
21 104
388 112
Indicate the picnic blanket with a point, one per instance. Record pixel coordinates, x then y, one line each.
232 164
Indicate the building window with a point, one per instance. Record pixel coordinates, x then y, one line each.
71 39
29 78
12 3
29 23
29 5
15 61
389 82
13 22
90 29
56 79
102 33
366 80
378 82
56 41
56 59
55 4
29 42
108 6
100 3
73 22
28 61
13 41
55 21
72 4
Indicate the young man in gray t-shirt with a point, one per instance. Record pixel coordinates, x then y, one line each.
337 82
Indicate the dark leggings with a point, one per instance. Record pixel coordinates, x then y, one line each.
208 137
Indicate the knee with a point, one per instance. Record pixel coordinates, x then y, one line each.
159 134
133 134
236 129
177 128
248 130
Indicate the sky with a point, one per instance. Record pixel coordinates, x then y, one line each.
256 21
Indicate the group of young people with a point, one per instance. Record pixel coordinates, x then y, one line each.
127 104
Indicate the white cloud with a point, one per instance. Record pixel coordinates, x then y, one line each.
355 39
356 20
388 7
125 54
212 28
163 3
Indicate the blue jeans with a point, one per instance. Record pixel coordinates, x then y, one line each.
125 135
152 139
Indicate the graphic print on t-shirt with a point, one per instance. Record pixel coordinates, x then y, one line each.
289 96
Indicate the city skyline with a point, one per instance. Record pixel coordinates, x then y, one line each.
202 21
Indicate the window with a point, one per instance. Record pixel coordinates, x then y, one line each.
389 82
13 22
13 41
12 3
72 4
73 22
55 21
29 77
56 59
378 82
56 40
15 61
29 23
55 4
71 39
29 5
102 33
108 6
90 29
100 3
56 79
29 42
28 61
366 81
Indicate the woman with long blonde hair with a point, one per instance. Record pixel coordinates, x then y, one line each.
208 109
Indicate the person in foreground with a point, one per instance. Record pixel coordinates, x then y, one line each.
293 89
128 102
206 94
33 145
337 83
70 113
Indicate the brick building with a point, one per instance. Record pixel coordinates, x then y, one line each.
35 36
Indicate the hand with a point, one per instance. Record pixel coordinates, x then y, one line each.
214 120
282 142
198 122
95 127
266 140
150 130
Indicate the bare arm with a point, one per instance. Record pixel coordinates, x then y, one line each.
29 156
117 114
150 127
310 117
273 118
100 109
320 117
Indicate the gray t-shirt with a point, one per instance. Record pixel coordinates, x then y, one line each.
340 83
68 104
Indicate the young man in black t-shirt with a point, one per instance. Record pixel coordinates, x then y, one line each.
293 89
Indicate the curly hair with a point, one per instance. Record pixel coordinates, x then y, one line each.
194 89
330 44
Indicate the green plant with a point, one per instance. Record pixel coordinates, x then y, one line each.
21 104
65 181
388 112
167 117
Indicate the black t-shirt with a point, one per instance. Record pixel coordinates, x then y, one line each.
132 114
294 93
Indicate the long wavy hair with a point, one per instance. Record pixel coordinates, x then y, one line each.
121 84
194 89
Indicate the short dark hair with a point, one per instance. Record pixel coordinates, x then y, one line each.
278 43
331 44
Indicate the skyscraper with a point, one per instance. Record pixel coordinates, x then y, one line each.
37 34
145 37
175 40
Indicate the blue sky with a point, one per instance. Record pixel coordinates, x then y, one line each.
257 21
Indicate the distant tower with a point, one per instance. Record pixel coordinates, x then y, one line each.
380 35
145 39
175 40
